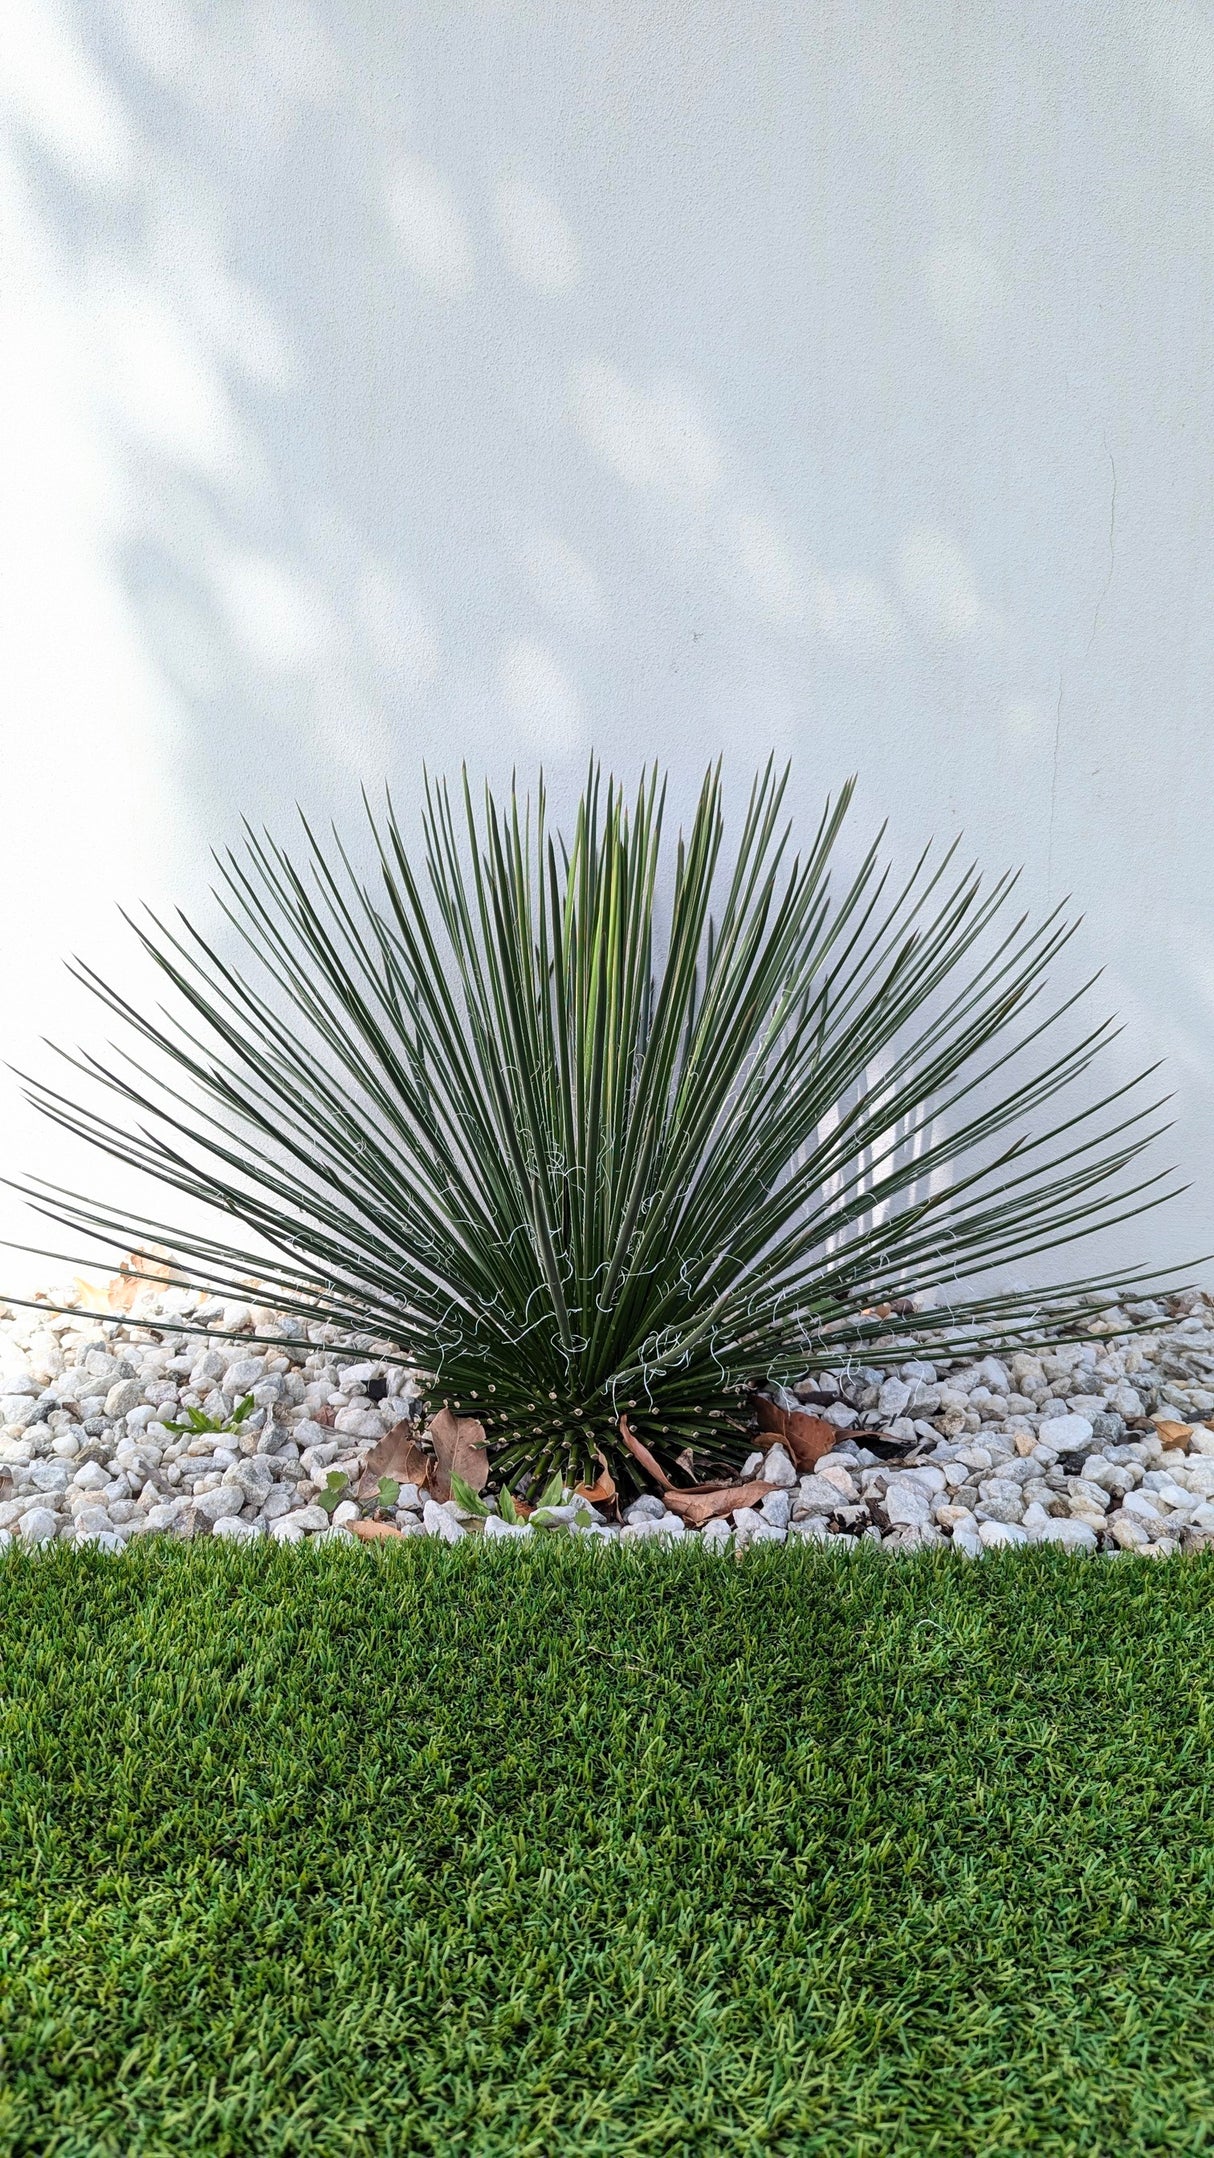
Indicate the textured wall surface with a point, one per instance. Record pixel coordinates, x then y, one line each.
500 381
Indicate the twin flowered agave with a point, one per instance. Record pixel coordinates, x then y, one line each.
587 1133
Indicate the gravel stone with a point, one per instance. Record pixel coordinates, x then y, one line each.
243 1374
893 1398
751 1528
1128 1532
776 1509
813 1530
92 1521
716 1535
280 1500
1142 1505
907 1504
223 1501
252 1478
1070 1434
304 1521
778 1469
38 1525
360 1422
926 1475
124 1395
163 1516
1088 1497
834 1471
1072 1535
999 1535
499 1531
646 1508
815 1495
660 1531
438 1522
53 1477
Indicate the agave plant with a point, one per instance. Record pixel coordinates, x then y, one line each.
576 1167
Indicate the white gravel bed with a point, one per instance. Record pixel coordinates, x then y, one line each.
1102 1446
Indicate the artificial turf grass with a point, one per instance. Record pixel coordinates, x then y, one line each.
556 1851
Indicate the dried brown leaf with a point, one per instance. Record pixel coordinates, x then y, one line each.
372 1532
697 1507
805 1438
397 1455
1171 1433
642 1454
601 1491
136 1272
459 1450
90 1295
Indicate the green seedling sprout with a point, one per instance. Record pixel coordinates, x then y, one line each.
196 1424
336 1486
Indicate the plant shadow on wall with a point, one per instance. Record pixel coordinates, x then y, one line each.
598 1183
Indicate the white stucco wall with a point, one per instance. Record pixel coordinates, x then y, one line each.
497 381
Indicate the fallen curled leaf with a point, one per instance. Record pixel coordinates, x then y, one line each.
642 1454
90 1295
805 1438
697 1507
372 1532
134 1273
459 1450
397 1455
1170 1432
600 1491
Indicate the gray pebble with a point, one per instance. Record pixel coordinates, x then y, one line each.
124 1395
646 1508
222 1501
39 1525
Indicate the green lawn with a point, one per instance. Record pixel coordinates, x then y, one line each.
557 1852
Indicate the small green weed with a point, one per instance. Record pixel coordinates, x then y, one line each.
195 1423
337 1488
